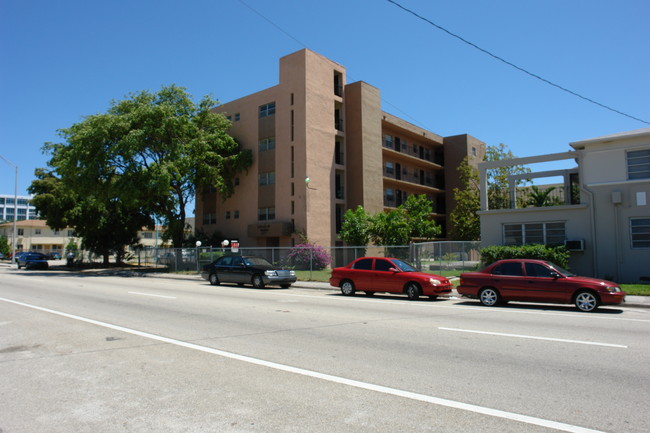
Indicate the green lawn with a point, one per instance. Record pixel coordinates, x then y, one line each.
636 289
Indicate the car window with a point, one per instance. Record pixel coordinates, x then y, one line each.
224 261
537 270
237 261
508 268
383 265
363 264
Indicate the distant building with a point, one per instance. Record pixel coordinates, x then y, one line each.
35 235
605 219
25 209
320 147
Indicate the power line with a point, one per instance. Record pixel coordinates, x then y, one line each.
501 59
305 46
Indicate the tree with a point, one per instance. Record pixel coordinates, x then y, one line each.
465 224
355 227
390 228
105 223
5 248
418 211
541 198
149 153
498 189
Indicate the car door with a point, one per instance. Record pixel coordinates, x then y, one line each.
383 279
509 279
543 284
361 273
238 271
222 268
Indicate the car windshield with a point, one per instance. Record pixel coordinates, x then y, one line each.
403 266
561 270
256 261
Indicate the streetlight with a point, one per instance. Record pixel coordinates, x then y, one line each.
198 245
13 242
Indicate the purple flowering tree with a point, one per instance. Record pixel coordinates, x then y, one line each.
309 256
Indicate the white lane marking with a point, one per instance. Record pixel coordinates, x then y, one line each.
328 377
149 294
532 337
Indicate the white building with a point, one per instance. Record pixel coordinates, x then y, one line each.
607 227
25 210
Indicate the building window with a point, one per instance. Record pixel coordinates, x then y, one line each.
293 189
388 141
473 151
267 178
267 109
640 232
21 232
37 231
227 214
266 213
236 215
266 144
534 233
293 207
209 218
390 168
638 164
237 117
70 233
148 235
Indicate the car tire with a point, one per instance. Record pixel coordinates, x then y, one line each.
412 291
258 282
586 301
347 288
489 297
214 280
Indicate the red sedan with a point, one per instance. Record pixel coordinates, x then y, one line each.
537 281
383 274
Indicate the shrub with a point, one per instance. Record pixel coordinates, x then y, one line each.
558 255
302 255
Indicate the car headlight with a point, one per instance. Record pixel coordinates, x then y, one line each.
292 273
434 281
270 273
613 289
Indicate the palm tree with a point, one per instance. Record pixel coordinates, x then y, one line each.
541 198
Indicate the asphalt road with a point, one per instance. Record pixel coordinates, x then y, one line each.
116 354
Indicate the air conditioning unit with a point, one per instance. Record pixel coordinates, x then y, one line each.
576 245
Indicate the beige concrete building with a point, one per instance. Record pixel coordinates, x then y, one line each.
605 220
320 147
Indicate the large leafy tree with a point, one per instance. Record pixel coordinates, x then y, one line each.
146 156
465 224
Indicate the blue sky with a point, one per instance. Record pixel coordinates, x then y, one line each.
60 61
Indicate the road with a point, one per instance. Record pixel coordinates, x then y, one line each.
107 354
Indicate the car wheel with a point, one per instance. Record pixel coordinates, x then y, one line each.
214 280
586 301
413 291
489 297
347 288
258 282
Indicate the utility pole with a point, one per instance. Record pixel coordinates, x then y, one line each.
13 243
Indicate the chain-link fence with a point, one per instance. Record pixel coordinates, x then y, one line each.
446 258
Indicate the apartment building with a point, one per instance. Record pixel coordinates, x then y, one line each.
320 147
9 203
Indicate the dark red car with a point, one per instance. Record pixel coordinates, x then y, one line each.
537 281
383 274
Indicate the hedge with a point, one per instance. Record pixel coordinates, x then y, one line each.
558 255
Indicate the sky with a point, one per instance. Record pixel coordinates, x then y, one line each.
63 60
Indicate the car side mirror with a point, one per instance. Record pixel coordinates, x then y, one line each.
393 270
555 275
